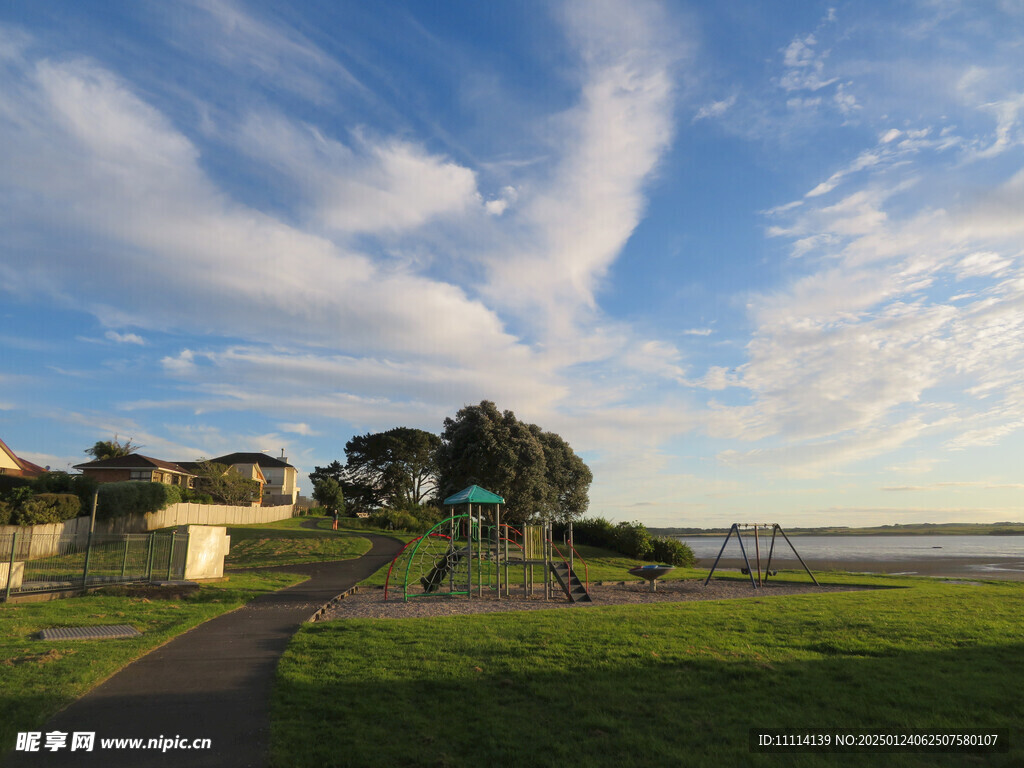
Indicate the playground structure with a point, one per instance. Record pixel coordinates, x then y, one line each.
473 553
775 528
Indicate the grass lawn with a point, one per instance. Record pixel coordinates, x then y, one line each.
38 678
287 542
674 684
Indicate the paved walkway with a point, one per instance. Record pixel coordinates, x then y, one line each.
212 682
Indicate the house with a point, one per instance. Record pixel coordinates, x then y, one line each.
11 464
280 477
135 466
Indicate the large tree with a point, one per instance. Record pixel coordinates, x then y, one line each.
358 498
567 475
329 495
395 468
535 471
401 463
112 449
226 484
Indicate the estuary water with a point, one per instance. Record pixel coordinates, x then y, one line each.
986 557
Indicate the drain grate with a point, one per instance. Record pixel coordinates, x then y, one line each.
103 632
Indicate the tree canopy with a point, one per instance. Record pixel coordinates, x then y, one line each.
396 468
328 494
536 471
226 484
111 449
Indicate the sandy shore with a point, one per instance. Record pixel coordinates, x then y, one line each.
1003 569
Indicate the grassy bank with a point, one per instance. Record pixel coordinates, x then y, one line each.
672 684
291 541
38 678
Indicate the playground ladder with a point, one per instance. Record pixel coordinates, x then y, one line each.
570 583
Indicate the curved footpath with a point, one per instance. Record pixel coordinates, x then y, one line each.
212 682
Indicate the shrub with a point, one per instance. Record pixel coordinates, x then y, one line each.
634 540
673 552
596 532
5 513
9 483
426 514
192 496
47 508
398 520
83 486
135 497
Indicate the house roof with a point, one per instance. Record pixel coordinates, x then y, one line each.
474 495
134 461
260 459
26 465
194 466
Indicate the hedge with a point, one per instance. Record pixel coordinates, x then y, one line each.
632 539
133 497
40 509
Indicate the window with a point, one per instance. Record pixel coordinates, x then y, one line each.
141 474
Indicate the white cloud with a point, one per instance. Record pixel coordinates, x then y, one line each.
500 204
240 40
982 264
804 66
715 109
125 338
111 166
372 185
300 428
577 220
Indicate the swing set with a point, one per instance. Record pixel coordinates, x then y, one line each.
756 527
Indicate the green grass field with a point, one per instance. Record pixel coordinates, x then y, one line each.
289 542
673 684
38 678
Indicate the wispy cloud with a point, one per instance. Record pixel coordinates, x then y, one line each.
125 338
576 222
237 37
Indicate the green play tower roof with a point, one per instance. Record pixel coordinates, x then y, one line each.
474 495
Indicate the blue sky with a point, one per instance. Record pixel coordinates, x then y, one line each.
755 261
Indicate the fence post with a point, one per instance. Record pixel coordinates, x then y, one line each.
88 546
10 566
124 562
170 557
149 558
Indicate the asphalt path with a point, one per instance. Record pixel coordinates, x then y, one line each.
212 682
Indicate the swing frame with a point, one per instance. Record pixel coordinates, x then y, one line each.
776 528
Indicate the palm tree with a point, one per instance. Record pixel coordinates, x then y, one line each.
111 449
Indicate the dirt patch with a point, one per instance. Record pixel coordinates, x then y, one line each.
370 603
36 658
151 591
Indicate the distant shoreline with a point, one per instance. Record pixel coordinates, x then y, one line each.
917 529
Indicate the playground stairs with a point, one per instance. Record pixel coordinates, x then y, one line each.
570 583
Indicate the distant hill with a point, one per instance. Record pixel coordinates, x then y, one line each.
915 529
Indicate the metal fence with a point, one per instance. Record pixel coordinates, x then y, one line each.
57 562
